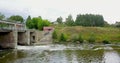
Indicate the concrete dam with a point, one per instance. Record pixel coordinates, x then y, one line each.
13 34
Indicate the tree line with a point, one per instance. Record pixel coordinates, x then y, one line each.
17 18
83 20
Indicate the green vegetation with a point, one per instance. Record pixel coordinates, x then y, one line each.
36 23
106 42
89 20
3 25
16 18
54 34
31 23
69 21
74 38
63 37
91 39
77 38
80 38
117 24
1 16
90 34
95 30
59 20
28 22
98 54
84 20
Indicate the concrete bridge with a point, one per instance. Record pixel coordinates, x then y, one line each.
13 34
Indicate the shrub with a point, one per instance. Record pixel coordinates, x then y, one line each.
74 38
80 38
91 38
54 35
105 42
63 37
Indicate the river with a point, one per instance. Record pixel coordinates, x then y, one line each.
59 53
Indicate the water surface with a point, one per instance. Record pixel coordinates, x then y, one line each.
62 54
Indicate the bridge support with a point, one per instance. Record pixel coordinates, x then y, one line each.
8 39
12 38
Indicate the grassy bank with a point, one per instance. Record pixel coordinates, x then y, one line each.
101 34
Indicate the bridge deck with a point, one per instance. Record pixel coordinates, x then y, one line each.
5 30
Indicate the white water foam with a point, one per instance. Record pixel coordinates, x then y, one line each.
42 47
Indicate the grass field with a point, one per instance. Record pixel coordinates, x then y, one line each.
101 33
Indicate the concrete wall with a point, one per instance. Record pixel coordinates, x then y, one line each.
32 37
14 38
39 35
43 37
24 38
8 39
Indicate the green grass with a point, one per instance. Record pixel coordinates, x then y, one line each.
100 33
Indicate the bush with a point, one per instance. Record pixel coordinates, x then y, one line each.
105 42
91 38
54 35
74 38
80 39
63 37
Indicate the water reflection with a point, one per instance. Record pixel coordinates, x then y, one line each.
11 56
111 57
61 54
89 56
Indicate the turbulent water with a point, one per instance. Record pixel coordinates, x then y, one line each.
62 54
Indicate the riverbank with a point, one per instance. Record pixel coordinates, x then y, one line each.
97 34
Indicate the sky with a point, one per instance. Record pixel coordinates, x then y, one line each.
52 9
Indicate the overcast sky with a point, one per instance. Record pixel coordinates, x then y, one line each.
51 9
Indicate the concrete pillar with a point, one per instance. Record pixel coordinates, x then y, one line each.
28 37
15 38
8 39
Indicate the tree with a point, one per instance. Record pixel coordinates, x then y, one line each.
78 20
43 23
29 22
106 24
16 18
28 18
59 20
89 20
35 22
46 22
40 24
1 16
69 21
117 24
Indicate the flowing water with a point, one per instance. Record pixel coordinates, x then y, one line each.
61 54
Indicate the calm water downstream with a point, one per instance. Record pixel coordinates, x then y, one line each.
62 54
